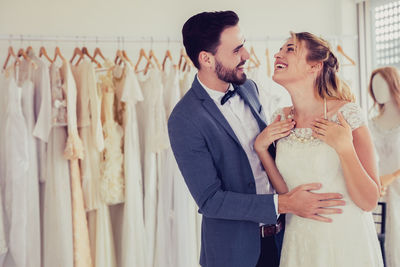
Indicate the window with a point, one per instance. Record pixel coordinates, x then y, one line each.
386 33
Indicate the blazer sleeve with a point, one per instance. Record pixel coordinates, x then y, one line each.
197 167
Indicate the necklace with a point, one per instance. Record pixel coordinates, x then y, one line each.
305 134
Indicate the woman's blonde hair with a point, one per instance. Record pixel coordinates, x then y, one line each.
392 77
328 83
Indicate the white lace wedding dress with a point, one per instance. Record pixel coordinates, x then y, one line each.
350 240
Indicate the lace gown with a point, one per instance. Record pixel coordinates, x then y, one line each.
154 140
350 240
129 94
15 185
387 144
73 152
57 211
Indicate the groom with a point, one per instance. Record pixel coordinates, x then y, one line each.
212 132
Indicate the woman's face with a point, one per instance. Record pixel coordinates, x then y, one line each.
290 63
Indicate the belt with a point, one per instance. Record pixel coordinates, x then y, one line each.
272 229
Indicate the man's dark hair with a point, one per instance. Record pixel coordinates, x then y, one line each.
202 32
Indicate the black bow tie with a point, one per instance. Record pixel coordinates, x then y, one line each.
228 95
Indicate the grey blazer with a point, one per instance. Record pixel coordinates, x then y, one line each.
219 177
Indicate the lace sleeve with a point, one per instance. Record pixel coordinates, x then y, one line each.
353 115
277 112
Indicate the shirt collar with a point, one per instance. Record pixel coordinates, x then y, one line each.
214 94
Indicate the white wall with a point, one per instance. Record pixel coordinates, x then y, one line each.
160 18
164 18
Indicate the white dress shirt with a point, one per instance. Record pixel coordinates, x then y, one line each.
244 125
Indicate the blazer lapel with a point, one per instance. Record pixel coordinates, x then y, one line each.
254 107
211 108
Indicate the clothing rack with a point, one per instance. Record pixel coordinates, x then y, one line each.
135 39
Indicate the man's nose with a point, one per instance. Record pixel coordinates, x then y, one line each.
246 54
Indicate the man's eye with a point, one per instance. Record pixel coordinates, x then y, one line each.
290 49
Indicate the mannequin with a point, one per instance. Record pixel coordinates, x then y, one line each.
389 117
384 88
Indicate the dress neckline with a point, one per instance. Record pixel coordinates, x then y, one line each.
332 118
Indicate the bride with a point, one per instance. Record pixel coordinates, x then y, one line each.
330 144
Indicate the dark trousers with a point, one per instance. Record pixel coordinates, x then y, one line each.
270 250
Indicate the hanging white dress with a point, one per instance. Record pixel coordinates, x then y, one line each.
57 213
3 113
153 139
387 144
351 239
15 180
111 180
166 245
186 80
133 243
33 232
178 230
90 131
73 152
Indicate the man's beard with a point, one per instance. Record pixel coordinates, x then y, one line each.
229 75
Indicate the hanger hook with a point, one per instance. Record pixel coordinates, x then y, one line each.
97 40
151 42
21 40
123 42
10 39
168 40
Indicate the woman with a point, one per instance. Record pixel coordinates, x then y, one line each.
330 144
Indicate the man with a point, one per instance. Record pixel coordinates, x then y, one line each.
212 132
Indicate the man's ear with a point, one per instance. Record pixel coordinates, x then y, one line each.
205 59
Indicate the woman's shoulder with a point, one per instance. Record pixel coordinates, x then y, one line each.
352 112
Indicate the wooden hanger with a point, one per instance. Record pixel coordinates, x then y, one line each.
149 63
97 52
28 50
43 52
125 55
77 52
142 54
268 62
22 53
118 56
86 52
167 56
57 53
254 57
9 55
352 62
184 58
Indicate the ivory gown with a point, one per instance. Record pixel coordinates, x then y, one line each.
351 239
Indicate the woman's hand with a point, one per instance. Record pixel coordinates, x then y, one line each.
338 136
276 130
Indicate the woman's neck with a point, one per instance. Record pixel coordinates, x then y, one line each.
390 118
306 106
